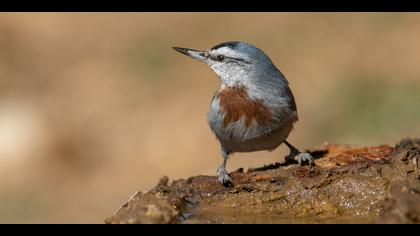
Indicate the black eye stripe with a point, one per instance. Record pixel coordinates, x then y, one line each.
229 59
242 60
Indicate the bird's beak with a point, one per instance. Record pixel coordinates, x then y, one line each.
198 55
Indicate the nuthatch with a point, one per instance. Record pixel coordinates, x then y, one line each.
254 109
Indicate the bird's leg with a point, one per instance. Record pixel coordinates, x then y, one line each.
224 178
298 156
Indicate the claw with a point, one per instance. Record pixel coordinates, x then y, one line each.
224 177
302 157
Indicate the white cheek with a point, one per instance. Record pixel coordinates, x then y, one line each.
219 70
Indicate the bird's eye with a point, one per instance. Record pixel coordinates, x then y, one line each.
220 58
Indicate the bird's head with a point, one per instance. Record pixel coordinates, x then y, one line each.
235 62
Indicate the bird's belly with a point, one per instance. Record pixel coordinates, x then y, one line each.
265 142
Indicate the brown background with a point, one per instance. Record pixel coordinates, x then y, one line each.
95 106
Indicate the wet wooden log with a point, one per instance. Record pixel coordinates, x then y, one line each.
348 184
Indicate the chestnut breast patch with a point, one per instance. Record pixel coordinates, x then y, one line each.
235 103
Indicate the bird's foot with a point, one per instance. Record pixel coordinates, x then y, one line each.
303 157
224 177
300 157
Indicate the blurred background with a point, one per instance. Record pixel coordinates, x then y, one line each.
95 106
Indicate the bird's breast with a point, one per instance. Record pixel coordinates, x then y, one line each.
235 103
235 115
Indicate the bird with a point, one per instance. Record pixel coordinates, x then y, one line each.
254 109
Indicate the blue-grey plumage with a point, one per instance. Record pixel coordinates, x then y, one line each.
254 109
